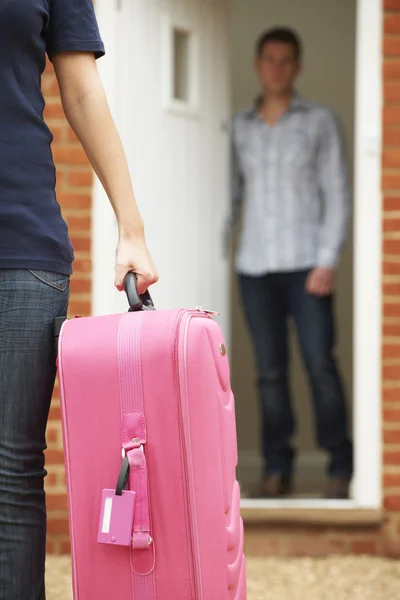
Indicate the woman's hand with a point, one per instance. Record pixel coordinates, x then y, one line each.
133 255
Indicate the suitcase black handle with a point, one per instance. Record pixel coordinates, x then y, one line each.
136 302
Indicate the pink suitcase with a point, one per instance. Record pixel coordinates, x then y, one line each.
150 390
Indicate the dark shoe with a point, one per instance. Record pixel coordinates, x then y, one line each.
273 486
338 488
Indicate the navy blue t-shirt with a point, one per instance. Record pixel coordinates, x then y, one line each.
33 234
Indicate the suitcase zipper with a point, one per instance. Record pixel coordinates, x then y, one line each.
212 313
190 506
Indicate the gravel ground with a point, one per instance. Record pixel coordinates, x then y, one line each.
334 578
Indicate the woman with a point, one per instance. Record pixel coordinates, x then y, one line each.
36 255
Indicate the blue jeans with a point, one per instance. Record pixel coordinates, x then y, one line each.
269 301
29 302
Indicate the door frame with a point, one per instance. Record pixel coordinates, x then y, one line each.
367 491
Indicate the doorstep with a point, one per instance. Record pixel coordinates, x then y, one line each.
337 513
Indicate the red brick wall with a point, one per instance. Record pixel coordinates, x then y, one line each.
384 539
74 184
391 264
74 193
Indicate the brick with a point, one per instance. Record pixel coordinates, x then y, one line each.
50 546
391 115
56 502
391 4
65 547
392 503
391 395
76 223
391 159
79 307
392 23
391 373
391 458
51 480
55 413
52 435
70 155
391 137
391 437
391 70
391 203
81 286
391 225
83 265
391 289
391 351
75 200
261 543
81 244
391 92
391 268
391 309
391 547
315 546
391 480
54 110
391 416
390 182
80 178
364 547
391 329
58 526
59 179
55 457
391 247
391 46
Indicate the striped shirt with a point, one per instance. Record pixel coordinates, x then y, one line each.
291 182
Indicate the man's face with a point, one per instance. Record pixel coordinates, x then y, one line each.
277 67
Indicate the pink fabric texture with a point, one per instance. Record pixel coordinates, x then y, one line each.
156 380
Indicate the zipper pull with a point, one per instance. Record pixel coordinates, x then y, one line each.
207 312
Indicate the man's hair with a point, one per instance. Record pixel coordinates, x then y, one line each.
283 35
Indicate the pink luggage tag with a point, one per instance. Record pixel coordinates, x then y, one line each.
117 512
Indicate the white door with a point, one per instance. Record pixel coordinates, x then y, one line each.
168 76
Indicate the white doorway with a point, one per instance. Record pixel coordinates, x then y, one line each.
327 78
178 153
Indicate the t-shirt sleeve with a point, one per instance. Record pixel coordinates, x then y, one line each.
72 27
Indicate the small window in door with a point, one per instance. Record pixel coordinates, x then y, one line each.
180 67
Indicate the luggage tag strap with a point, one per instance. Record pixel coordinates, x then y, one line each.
138 483
134 439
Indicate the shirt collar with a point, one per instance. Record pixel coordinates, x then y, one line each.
297 103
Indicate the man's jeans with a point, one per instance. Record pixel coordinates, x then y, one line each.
269 301
29 302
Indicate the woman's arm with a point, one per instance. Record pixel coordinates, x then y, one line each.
87 111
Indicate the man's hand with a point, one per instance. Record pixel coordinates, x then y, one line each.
320 282
133 255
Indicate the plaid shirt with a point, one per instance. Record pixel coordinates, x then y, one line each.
291 181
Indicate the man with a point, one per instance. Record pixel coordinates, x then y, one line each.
289 172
